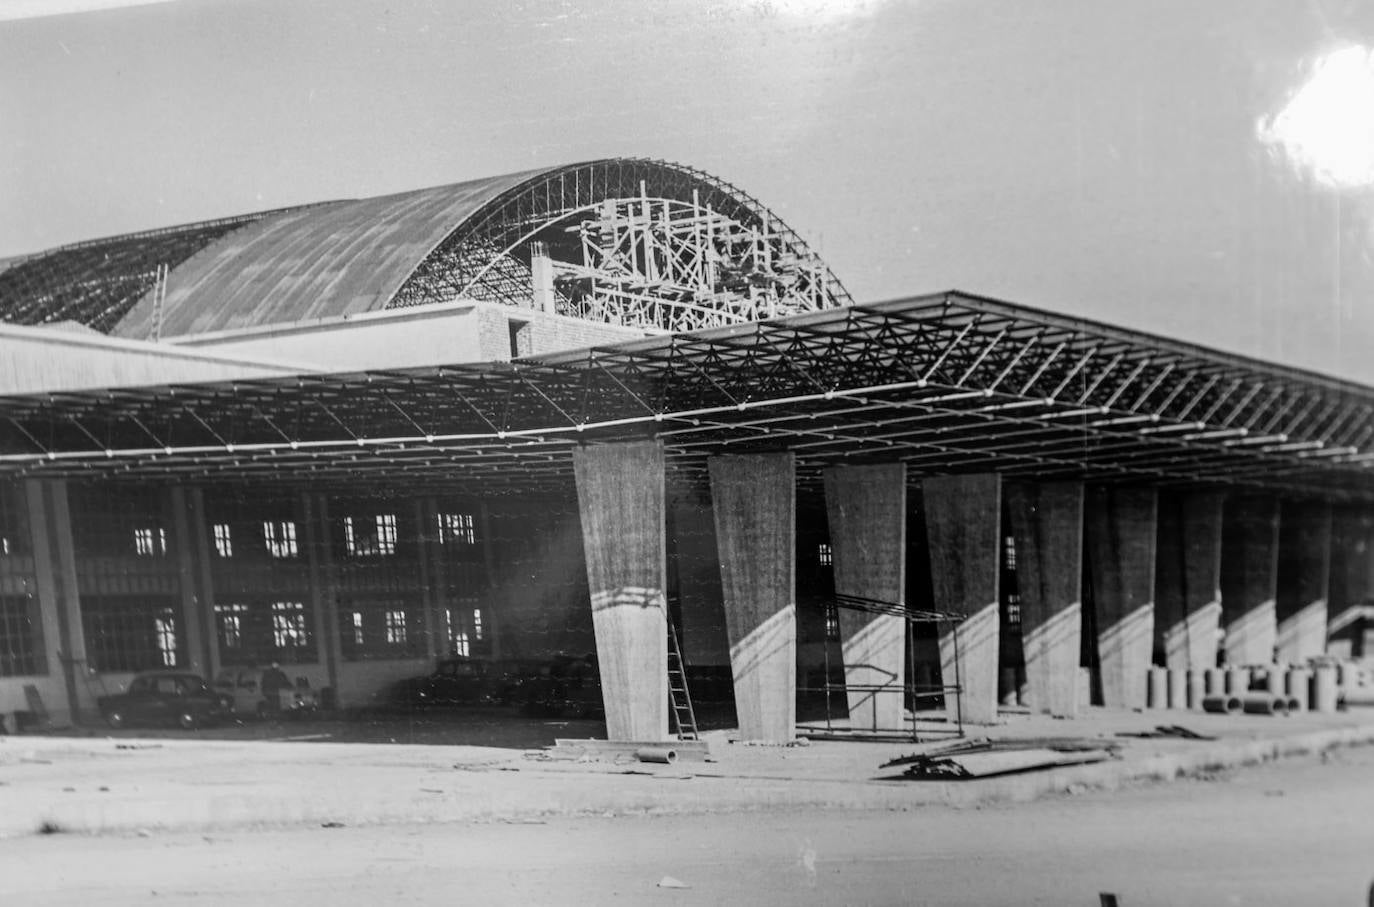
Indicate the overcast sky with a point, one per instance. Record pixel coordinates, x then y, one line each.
1197 169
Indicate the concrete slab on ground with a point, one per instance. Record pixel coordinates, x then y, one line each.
125 784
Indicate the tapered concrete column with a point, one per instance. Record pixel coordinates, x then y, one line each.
620 497
866 509
1352 580
964 529
59 598
755 502
1120 546
1188 579
1047 524
196 620
1304 574
1249 565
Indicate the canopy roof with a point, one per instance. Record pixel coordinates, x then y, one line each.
946 383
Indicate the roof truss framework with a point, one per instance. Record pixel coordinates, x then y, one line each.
944 383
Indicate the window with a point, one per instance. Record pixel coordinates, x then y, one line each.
358 638
457 528
150 541
824 556
224 542
280 536
462 625
21 648
832 622
231 620
379 539
1013 608
477 622
396 628
288 625
131 632
14 530
167 637
1009 546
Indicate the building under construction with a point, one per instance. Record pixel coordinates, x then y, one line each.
554 411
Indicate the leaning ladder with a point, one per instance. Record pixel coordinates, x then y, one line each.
683 715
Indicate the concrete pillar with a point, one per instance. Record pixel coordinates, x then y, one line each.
194 620
754 500
1352 581
1249 565
1188 579
59 598
866 509
1304 573
324 587
620 492
964 529
433 589
204 577
1047 525
1120 543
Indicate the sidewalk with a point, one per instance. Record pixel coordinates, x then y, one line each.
107 785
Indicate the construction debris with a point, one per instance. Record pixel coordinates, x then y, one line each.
984 758
1166 730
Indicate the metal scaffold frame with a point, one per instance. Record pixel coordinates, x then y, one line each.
918 727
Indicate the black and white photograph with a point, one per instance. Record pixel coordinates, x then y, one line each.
686 452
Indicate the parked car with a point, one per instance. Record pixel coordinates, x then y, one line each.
566 686
250 692
165 697
454 681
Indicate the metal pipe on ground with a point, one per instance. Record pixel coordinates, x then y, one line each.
1221 703
1176 686
1157 688
1237 681
1263 703
1297 686
659 754
1359 696
1324 695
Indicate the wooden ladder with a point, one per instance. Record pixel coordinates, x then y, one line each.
683 715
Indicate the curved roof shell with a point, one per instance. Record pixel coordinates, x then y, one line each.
344 257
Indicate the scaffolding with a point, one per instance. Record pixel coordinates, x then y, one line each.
918 724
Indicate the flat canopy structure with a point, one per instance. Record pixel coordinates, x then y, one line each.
946 383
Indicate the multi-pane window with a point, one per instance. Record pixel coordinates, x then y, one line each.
824 556
1009 545
21 648
361 540
288 625
457 528
832 622
280 536
462 626
130 632
477 623
359 639
167 637
231 618
150 541
396 628
224 540
1013 608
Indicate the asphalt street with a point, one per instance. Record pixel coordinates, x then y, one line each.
1295 832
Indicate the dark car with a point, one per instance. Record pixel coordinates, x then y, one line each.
165 697
454 681
568 686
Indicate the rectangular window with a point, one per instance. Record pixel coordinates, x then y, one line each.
832 622
477 623
361 540
224 542
280 536
824 556
359 639
14 529
131 632
150 541
167 638
1010 547
288 625
457 529
1013 608
396 628
231 620
21 647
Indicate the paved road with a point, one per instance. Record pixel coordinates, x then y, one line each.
1300 832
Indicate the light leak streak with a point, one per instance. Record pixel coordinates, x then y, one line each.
1327 126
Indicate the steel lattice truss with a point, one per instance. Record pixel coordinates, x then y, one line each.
96 283
945 383
635 242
